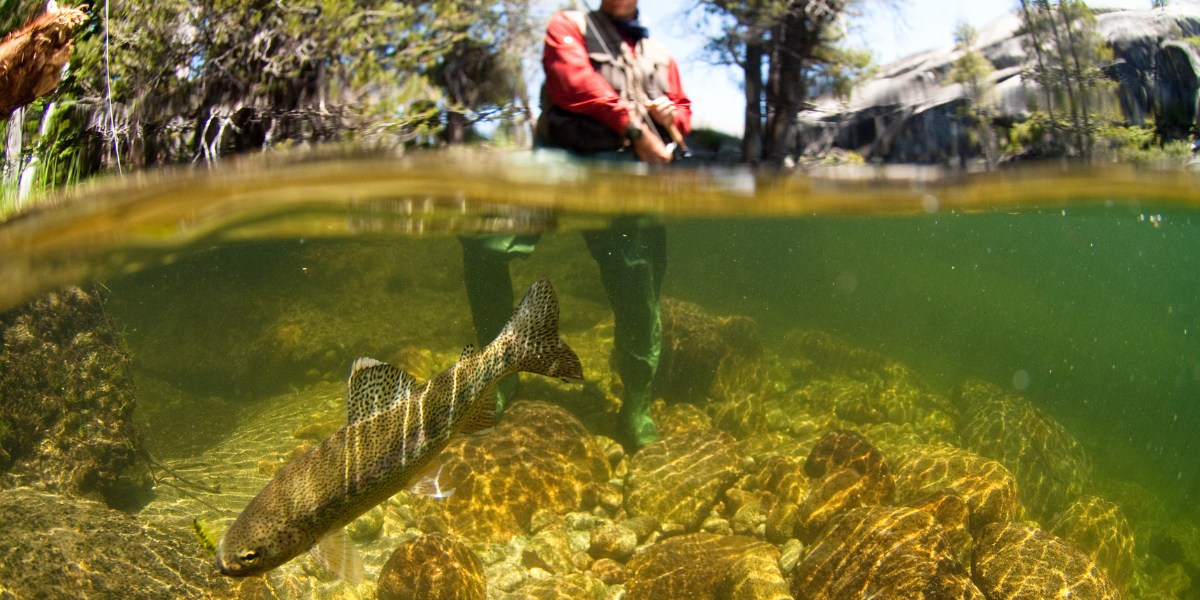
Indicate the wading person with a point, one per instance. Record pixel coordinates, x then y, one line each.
611 93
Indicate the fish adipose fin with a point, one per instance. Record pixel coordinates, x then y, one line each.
374 388
337 553
533 333
428 485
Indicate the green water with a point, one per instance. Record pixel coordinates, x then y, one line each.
232 295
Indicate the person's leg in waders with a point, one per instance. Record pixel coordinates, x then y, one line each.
489 291
633 259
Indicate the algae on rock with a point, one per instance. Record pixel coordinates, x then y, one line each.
66 419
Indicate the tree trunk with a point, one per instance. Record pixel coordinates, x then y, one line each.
1086 149
32 57
456 127
1037 49
752 139
1062 60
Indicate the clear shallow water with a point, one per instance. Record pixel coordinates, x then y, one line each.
1076 289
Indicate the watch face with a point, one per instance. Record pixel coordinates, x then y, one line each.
633 133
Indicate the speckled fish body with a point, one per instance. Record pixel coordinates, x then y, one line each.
396 429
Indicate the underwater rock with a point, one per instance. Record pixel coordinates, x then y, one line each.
1050 466
677 479
367 526
571 587
60 547
678 418
1014 561
432 567
989 489
694 346
832 354
1097 527
616 542
609 571
66 422
881 552
550 551
834 494
953 514
700 566
848 450
538 457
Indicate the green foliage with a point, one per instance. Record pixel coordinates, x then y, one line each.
1142 145
195 80
838 68
1068 51
801 42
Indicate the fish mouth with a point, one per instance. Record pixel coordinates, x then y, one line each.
233 570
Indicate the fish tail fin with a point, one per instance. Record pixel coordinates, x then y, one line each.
532 336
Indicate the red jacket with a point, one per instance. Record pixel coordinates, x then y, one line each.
574 85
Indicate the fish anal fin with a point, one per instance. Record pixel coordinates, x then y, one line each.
336 552
481 417
428 484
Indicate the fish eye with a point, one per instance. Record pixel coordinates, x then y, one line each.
248 556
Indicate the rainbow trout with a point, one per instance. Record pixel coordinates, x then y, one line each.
396 430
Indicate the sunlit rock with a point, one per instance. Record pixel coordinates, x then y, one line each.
703 566
988 488
1099 529
432 567
538 457
677 479
881 552
1013 561
1050 466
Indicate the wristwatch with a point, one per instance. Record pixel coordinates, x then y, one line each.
633 132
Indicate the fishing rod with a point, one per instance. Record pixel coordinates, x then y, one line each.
677 145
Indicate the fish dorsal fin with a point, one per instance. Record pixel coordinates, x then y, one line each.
427 483
467 352
481 416
337 553
374 388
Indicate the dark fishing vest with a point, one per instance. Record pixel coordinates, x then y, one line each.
638 75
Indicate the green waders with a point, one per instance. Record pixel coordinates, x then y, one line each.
633 259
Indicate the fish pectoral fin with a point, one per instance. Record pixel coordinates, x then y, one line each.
337 553
428 485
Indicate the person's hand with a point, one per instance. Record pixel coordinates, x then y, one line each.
662 111
651 149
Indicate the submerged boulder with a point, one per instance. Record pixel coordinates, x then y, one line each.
881 552
432 567
59 547
1099 529
1014 561
988 488
1050 465
677 479
695 345
705 566
538 457
66 415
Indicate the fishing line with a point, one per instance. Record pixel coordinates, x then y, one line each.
112 122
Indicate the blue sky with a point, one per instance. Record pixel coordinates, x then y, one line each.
716 93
